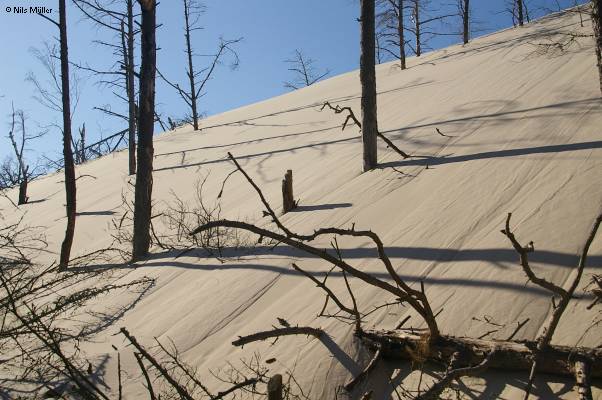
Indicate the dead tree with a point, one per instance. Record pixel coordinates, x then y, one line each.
191 7
21 173
597 27
304 70
131 87
198 79
144 173
65 107
518 11
420 9
464 8
70 188
121 23
390 26
368 82
519 6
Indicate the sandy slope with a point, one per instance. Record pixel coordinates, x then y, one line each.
526 139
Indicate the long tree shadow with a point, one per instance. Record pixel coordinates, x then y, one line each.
575 105
426 160
433 161
413 279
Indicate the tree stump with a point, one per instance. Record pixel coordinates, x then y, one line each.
288 201
23 191
582 369
275 387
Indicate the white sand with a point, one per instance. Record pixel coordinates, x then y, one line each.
526 140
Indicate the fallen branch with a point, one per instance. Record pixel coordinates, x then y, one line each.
275 333
351 116
509 355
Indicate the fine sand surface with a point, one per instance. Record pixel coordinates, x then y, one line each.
524 138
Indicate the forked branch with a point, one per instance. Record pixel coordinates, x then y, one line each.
416 298
543 341
351 116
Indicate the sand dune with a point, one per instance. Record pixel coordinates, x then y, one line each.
524 137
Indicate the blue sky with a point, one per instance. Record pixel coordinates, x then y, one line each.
326 30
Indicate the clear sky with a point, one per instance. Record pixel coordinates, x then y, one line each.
326 30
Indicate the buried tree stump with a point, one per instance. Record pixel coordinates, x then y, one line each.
275 387
288 201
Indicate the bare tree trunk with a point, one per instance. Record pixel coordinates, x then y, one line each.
190 72
597 26
22 169
466 20
131 90
82 144
70 189
275 387
521 19
368 81
288 200
400 33
23 190
417 27
146 120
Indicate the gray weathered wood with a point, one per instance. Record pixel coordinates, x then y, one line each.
582 368
510 355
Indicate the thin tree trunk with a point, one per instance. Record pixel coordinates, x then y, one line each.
400 33
417 27
368 81
193 97
23 190
597 26
131 89
146 120
70 188
22 171
519 5
466 21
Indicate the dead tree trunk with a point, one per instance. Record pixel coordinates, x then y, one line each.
521 18
190 72
597 26
131 90
466 20
23 189
401 35
417 28
510 355
368 81
144 174
582 368
288 201
275 387
70 188
23 170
